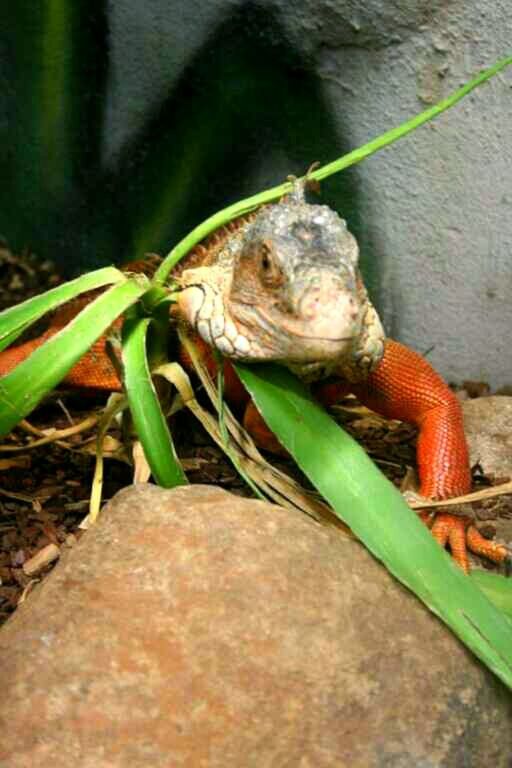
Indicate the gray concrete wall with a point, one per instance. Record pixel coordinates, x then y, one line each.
438 204
435 209
126 122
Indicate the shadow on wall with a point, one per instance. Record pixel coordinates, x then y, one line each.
244 99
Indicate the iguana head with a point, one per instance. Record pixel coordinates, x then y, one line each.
284 287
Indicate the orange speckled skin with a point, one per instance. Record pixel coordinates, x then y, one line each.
460 534
405 386
93 371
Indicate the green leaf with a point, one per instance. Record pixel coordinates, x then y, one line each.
55 113
23 388
384 140
364 499
150 423
389 137
15 320
497 588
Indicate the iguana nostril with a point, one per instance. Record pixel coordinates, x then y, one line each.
309 305
353 311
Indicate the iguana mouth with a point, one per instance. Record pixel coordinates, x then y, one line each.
284 332
333 340
280 331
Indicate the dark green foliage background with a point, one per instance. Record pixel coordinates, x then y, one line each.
244 95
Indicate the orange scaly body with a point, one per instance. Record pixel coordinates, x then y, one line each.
404 386
93 371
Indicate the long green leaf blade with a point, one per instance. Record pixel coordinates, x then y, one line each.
364 499
380 142
150 423
497 589
23 388
15 320
394 134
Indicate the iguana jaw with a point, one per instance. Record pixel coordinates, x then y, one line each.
317 322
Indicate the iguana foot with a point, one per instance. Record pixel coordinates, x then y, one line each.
461 535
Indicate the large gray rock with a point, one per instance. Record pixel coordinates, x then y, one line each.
194 628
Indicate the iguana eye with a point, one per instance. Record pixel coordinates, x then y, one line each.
265 262
270 272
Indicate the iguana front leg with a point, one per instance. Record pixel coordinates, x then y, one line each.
404 386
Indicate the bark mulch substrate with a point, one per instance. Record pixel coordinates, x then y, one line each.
24 276
44 492
44 495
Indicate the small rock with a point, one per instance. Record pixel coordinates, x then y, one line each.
41 559
476 388
485 510
488 425
17 558
195 628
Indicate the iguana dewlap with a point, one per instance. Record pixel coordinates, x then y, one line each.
284 285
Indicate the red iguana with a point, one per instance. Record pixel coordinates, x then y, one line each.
283 285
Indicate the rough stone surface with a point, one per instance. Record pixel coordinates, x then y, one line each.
194 628
488 425
145 66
